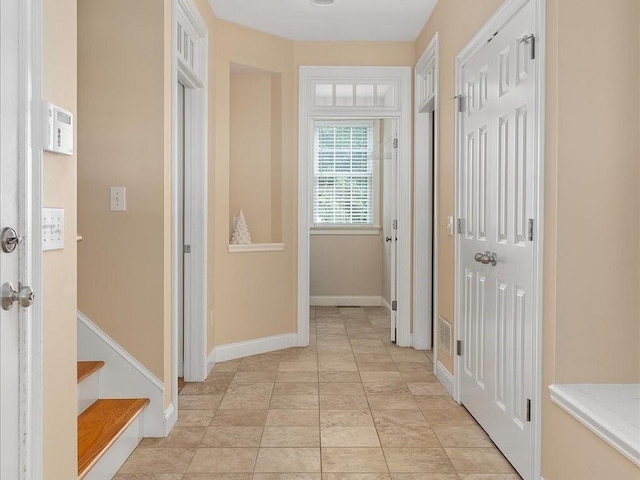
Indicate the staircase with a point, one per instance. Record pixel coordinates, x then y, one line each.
108 429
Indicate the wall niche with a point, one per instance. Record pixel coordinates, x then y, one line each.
255 155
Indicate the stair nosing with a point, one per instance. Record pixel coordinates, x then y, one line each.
87 468
97 365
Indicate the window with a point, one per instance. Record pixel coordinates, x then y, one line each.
345 175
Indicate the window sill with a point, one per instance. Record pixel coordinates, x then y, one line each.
374 230
609 411
256 247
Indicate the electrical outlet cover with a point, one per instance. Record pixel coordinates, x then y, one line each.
52 229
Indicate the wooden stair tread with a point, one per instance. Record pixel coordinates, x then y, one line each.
100 426
85 369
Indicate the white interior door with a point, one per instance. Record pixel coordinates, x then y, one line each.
496 204
12 215
389 155
181 230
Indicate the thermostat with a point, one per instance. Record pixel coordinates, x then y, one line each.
58 125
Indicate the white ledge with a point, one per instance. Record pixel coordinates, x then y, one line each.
256 247
610 411
346 230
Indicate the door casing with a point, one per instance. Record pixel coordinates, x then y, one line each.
499 19
403 112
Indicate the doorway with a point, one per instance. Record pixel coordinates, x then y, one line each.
498 264
353 260
344 93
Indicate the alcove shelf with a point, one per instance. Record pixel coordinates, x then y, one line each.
256 247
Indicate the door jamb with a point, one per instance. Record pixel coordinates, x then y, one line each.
500 18
29 145
401 75
193 74
425 312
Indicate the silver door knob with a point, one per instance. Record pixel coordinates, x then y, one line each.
388 239
487 258
24 297
10 239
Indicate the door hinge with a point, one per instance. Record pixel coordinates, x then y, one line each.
462 102
531 229
394 306
459 348
395 224
460 226
528 409
531 39
187 249
395 142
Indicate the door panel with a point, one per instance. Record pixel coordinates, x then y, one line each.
497 201
9 217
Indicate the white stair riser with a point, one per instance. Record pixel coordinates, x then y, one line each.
117 454
88 391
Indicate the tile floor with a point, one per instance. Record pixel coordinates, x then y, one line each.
352 406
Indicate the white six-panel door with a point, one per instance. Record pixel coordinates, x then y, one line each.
496 185
9 217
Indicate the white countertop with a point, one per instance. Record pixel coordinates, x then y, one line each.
611 411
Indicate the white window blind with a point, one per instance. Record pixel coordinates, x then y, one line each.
343 191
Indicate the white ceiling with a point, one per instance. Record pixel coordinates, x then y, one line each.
346 20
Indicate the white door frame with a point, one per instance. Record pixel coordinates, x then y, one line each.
30 149
425 246
189 67
495 23
401 78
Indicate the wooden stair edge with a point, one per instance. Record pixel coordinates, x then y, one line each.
101 425
86 369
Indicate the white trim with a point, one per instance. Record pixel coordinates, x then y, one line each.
346 301
122 375
231 351
31 335
196 203
256 247
211 361
384 303
446 379
401 78
500 18
425 202
350 230
170 419
598 407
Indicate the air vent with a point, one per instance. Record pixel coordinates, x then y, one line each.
444 335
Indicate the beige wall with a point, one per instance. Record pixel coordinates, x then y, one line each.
124 127
250 153
59 266
591 205
251 295
346 265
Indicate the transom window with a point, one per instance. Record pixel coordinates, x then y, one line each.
345 177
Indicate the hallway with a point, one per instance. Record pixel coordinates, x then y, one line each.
352 406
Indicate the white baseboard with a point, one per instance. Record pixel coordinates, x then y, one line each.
122 375
232 351
384 303
345 301
446 379
170 419
211 361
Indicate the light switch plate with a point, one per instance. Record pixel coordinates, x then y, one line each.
52 229
118 199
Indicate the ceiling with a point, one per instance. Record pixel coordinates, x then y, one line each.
346 20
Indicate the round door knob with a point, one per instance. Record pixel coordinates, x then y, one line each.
388 239
26 296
